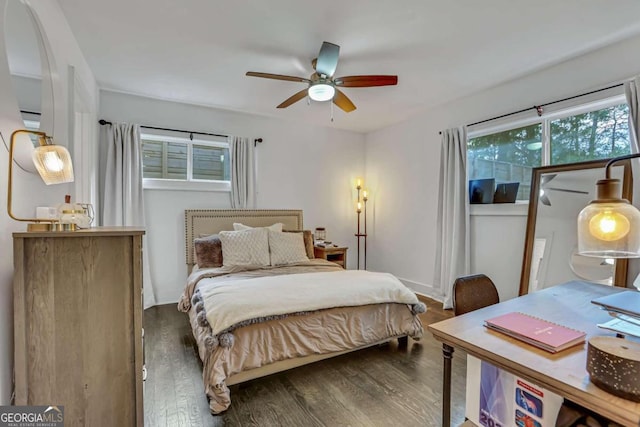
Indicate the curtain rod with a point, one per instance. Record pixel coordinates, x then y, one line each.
191 133
539 108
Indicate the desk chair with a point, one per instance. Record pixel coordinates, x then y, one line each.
472 293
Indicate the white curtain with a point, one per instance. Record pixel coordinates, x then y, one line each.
452 254
121 196
243 165
631 89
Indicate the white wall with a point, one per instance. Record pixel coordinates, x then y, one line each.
403 163
299 167
29 190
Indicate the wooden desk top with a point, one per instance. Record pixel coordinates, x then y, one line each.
563 373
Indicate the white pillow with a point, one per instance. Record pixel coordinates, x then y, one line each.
245 247
287 248
274 227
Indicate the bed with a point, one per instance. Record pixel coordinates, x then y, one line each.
254 321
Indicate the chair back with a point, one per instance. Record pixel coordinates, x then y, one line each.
472 293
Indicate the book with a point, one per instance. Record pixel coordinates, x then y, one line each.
541 333
627 302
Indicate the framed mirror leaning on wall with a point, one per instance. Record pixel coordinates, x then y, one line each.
558 194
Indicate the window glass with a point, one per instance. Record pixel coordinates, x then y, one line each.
177 158
210 163
600 134
507 156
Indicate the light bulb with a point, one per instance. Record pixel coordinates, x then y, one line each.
52 161
609 226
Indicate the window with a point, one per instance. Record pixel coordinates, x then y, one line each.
170 162
591 132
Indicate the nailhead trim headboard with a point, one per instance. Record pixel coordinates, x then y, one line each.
200 222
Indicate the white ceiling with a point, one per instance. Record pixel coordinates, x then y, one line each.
197 51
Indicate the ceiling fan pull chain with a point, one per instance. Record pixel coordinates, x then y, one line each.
331 112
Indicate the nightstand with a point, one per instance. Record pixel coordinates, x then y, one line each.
333 254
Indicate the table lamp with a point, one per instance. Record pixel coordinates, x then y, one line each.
54 165
609 227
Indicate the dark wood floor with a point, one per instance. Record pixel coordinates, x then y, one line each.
379 386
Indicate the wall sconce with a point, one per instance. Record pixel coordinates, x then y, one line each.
54 165
609 226
362 234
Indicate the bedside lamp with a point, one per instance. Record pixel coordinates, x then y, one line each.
609 226
54 165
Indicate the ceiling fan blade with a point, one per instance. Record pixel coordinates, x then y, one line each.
547 178
366 81
545 200
277 77
566 190
327 59
293 99
342 101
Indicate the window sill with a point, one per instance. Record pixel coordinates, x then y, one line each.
179 185
519 208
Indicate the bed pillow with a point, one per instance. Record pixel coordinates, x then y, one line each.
275 227
287 248
208 251
307 236
245 247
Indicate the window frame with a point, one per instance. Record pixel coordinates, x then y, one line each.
545 121
188 184
575 108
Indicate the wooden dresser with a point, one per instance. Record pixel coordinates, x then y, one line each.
78 324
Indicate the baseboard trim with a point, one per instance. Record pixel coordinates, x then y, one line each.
422 289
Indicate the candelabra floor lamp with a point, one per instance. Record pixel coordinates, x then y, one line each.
361 234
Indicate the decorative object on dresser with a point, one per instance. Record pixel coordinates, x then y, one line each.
363 233
53 163
78 323
337 254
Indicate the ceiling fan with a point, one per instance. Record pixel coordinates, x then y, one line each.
544 198
323 86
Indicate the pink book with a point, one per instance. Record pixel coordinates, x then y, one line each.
541 333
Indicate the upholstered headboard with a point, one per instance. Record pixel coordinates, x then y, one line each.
200 222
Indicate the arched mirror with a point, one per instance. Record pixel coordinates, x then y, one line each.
29 67
558 194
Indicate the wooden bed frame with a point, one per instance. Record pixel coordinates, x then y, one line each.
205 222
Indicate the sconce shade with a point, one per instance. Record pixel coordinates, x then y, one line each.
53 163
609 227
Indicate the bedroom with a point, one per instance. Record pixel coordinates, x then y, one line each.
397 156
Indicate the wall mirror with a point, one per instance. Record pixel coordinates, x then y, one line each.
558 194
30 71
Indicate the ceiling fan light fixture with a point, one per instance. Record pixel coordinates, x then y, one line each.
321 92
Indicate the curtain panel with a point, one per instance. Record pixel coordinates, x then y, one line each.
243 175
120 188
453 249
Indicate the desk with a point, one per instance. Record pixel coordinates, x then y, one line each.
563 373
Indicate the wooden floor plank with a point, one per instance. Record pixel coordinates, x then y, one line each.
378 386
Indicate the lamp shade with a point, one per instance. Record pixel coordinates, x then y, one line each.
53 163
321 92
609 227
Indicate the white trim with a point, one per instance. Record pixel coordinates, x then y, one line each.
519 208
182 140
420 288
182 185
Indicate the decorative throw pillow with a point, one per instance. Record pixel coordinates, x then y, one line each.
307 236
245 247
274 227
208 251
286 248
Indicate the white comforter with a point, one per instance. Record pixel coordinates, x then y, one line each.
231 302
